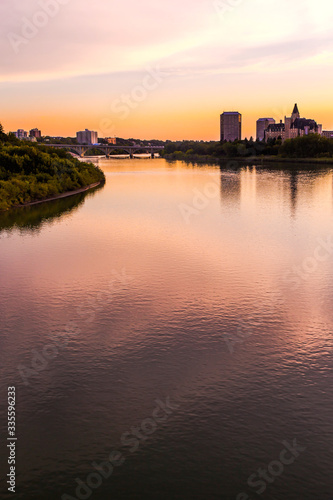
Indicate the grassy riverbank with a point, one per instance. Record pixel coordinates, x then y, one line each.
30 173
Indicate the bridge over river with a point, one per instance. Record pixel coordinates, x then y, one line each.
106 149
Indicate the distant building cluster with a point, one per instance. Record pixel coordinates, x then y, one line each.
293 126
87 137
267 128
34 134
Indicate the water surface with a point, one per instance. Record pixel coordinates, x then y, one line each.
203 288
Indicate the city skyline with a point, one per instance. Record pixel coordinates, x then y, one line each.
168 76
230 129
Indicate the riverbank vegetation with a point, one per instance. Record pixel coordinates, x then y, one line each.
31 173
312 146
31 217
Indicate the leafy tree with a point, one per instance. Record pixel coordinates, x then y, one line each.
309 146
2 134
29 172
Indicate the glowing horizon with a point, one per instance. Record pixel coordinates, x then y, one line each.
67 66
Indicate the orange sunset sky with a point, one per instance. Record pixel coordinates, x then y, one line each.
163 70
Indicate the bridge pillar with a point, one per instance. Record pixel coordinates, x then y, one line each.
131 155
83 151
152 155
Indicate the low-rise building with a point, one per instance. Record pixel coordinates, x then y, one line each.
111 140
327 133
275 131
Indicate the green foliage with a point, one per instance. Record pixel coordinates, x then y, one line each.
2 134
230 149
309 146
212 149
30 173
58 140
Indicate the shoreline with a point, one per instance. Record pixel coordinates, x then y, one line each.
278 159
258 160
59 196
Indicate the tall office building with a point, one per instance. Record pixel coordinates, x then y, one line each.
87 137
21 134
231 126
262 125
35 133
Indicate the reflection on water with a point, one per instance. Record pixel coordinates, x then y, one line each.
32 217
206 285
240 185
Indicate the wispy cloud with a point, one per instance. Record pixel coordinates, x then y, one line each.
103 48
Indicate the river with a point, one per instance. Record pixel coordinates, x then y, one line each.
169 336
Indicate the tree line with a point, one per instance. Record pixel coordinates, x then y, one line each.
30 173
310 146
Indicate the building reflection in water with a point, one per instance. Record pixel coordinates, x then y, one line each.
252 190
293 180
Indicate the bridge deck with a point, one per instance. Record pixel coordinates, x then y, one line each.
81 149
